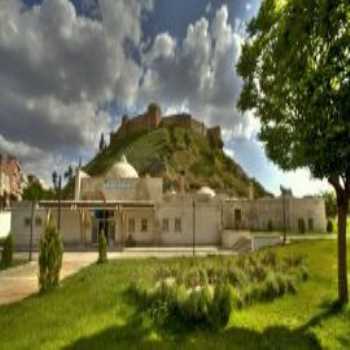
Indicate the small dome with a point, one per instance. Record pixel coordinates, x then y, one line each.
205 190
122 170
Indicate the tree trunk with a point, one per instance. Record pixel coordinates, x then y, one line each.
343 203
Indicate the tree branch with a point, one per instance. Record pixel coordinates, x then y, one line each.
334 181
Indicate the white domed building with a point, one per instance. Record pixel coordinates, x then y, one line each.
133 210
122 170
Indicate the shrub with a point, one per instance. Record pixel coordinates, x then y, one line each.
271 287
330 226
159 311
102 248
50 258
7 252
303 273
221 306
196 307
236 276
237 298
269 258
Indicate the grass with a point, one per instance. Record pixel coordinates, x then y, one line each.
92 311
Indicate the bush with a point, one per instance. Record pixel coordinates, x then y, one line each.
102 248
221 306
7 252
50 258
271 287
269 259
196 307
330 228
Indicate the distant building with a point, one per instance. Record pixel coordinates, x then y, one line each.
153 119
133 210
11 180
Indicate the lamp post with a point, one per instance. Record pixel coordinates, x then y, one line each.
31 230
57 182
283 193
193 227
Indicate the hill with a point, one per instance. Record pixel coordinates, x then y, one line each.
167 151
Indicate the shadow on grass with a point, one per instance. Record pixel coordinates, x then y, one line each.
138 333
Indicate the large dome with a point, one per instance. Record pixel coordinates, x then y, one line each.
122 170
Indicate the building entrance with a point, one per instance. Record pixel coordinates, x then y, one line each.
104 221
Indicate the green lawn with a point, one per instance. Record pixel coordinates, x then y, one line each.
91 311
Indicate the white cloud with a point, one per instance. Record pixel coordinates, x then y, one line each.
302 183
199 72
229 152
58 68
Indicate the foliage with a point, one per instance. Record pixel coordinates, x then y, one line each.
206 294
330 202
7 251
35 191
330 228
295 68
102 248
50 258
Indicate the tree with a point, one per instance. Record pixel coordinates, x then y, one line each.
330 203
54 179
68 175
35 192
295 66
50 258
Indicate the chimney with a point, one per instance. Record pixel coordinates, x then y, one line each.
251 190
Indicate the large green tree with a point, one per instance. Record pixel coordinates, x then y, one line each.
295 66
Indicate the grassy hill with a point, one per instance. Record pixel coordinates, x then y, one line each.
168 151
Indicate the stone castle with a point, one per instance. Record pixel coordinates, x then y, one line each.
153 119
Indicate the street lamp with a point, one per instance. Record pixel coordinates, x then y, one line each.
34 207
57 182
193 227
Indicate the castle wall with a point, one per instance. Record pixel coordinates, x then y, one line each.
147 121
152 119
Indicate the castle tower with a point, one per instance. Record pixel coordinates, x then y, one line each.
153 115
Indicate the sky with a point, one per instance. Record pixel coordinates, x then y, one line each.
69 69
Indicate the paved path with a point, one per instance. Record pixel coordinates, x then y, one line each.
19 282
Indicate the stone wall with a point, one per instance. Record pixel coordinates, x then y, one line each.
147 121
268 214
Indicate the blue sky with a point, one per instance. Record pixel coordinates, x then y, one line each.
70 69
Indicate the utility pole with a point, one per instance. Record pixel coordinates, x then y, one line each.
194 227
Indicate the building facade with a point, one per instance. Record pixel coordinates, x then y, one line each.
131 211
11 180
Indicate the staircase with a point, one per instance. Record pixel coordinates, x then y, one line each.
242 245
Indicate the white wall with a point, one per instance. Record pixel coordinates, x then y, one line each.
5 223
